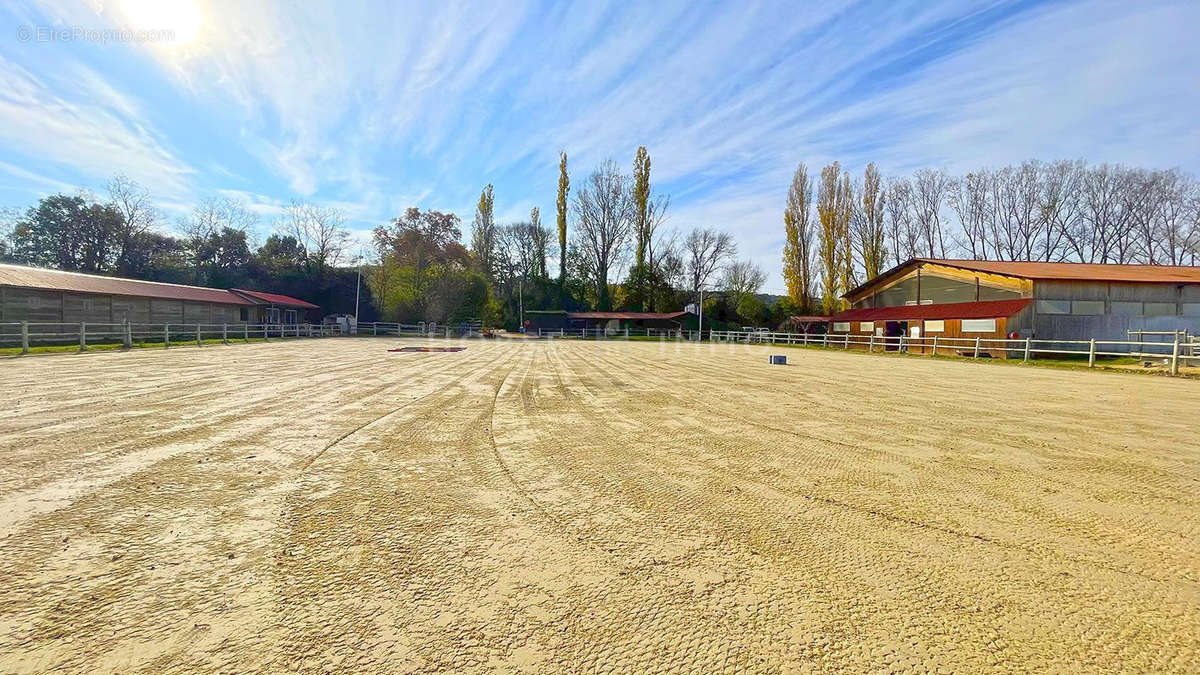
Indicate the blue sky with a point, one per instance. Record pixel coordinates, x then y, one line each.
374 107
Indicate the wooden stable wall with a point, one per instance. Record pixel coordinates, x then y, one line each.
39 306
953 330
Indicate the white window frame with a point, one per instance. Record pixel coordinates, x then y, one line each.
866 326
935 326
979 325
841 326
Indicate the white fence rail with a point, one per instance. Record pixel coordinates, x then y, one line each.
26 334
1175 353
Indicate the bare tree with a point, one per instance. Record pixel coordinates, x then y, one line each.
1016 214
870 231
1060 205
929 192
521 246
211 216
541 240
706 251
604 209
320 230
969 199
902 227
741 280
1105 225
138 211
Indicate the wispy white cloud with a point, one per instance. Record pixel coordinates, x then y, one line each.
375 107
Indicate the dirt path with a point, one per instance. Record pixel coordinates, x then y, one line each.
325 505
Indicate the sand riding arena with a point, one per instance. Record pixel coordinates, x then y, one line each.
569 505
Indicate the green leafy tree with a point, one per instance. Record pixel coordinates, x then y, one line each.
641 203
483 232
564 187
69 233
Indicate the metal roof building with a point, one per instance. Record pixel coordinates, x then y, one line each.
1048 301
54 296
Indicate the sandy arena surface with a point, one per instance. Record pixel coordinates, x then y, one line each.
323 505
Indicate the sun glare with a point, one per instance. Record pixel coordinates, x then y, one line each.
182 18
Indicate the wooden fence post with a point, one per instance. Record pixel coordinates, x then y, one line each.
266 337
24 337
976 347
1026 359
245 332
1175 356
83 336
128 334
225 333
935 345
1092 353
871 344
166 335
199 343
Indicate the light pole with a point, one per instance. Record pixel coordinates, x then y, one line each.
358 287
701 313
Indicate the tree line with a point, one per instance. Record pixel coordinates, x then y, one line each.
611 248
841 231
125 235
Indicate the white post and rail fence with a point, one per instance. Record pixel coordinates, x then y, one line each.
21 337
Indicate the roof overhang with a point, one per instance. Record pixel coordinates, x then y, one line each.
987 309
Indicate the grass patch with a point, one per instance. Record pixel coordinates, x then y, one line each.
117 346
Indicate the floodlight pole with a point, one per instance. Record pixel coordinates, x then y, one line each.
521 303
357 291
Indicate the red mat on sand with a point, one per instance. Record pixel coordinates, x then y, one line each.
428 349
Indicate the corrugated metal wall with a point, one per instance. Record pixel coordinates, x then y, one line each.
38 306
1113 325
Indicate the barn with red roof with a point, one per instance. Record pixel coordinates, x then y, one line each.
924 297
53 296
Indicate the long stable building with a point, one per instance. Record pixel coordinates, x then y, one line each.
924 297
611 321
42 295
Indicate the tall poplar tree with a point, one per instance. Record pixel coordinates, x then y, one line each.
564 186
829 237
870 227
847 275
798 239
641 203
483 232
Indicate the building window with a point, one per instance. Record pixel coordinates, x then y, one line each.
1126 308
979 325
244 314
938 326
1087 307
841 326
1160 309
1053 306
866 326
